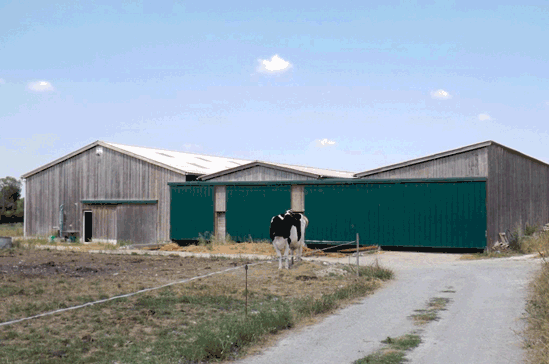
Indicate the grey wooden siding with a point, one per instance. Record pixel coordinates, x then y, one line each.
517 192
103 223
473 163
137 223
112 175
260 173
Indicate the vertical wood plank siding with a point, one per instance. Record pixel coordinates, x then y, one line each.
473 163
137 223
518 192
112 175
260 173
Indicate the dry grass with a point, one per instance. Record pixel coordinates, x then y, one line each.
194 322
536 333
11 230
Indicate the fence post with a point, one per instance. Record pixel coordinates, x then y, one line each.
357 256
246 269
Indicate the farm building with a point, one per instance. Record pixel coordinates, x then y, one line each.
462 198
113 192
517 185
436 213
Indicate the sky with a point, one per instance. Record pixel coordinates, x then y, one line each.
330 84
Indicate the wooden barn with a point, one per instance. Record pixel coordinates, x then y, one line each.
111 192
517 185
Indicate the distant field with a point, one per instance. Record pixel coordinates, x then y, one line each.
11 229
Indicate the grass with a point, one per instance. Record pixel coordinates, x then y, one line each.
536 333
530 240
394 352
434 305
11 230
197 322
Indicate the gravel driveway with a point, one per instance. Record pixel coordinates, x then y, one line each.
479 325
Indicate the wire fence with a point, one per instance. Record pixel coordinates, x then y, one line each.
245 266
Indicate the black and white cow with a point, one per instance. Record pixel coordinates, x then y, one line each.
288 233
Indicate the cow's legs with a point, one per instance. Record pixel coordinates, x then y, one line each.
286 251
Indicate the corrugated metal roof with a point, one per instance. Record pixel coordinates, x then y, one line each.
307 171
321 172
189 163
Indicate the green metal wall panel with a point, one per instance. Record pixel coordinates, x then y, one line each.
192 212
250 209
431 214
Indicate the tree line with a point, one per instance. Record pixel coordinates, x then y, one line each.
11 204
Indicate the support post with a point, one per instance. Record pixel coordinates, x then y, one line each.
357 256
246 269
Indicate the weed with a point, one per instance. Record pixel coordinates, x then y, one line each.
371 271
536 333
394 353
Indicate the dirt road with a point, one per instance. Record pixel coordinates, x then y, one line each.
479 325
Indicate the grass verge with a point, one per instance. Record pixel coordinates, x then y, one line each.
394 352
536 333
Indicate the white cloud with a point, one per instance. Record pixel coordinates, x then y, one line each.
484 116
40 86
321 143
276 64
440 94
2 81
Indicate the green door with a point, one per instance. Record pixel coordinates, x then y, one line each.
411 214
192 212
251 208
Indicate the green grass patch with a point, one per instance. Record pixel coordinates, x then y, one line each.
434 305
371 271
394 352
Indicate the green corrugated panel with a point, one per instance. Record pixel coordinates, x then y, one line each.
192 212
250 209
430 214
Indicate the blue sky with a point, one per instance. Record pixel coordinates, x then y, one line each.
366 84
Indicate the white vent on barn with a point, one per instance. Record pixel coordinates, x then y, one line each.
98 151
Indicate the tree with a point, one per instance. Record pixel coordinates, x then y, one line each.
10 193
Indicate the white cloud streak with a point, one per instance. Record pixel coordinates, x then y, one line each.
276 64
2 81
440 95
321 143
484 116
40 86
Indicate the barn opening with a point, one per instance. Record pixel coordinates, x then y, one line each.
87 226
